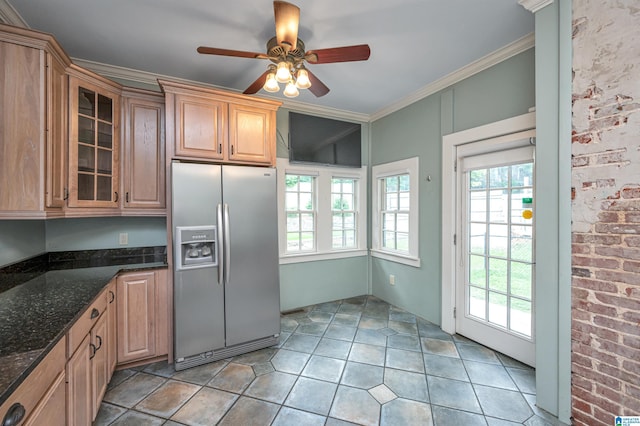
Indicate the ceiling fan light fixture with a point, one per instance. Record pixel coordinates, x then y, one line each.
283 74
302 79
271 84
291 91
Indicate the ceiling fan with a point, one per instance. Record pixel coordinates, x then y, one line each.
287 52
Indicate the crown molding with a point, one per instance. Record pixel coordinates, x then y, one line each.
10 16
534 5
494 58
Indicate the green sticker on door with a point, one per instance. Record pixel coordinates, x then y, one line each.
527 205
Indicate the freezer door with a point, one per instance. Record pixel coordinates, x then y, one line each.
252 291
198 295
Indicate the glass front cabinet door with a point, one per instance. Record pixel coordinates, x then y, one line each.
94 145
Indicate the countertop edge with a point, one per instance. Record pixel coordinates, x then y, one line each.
8 391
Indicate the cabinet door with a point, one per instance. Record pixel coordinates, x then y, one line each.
79 392
51 408
56 167
143 154
112 348
99 364
251 134
21 127
93 145
136 295
200 126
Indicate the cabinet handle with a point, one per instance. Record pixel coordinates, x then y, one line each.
93 349
66 194
219 148
14 415
126 197
231 149
99 342
116 200
113 296
95 313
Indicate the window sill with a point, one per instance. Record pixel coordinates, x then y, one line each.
312 257
393 257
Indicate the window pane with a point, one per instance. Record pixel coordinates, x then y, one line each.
522 243
291 201
404 182
306 239
291 182
349 220
402 241
389 239
305 183
391 202
391 184
348 186
293 222
477 271
350 238
478 179
86 102
389 221
522 174
306 201
402 222
521 280
518 205
306 222
404 201
337 221
477 237
521 316
498 206
498 240
337 239
498 309
498 274
499 177
477 302
478 206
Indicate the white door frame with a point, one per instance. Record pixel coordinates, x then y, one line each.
449 148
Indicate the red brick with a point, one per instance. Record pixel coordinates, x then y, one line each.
580 338
580 272
631 266
582 138
595 285
606 416
621 205
598 377
597 262
633 391
580 249
610 217
617 325
633 317
633 367
593 354
632 217
632 241
579 293
624 252
620 277
617 228
578 358
605 240
617 373
618 349
633 292
632 342
630 192
579 161
582 406
619 301
583 383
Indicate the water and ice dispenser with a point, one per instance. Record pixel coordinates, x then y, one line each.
196 247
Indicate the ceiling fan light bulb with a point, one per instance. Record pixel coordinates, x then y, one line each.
283 75
302 79
271 84
291 91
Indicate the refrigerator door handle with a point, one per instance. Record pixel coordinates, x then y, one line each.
220 246
227 244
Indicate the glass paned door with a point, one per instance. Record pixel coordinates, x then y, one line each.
496 277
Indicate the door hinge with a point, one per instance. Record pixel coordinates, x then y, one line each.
454 239
455 165
454 312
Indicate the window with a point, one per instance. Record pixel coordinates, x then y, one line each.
395 216
344 213
322 212
301 214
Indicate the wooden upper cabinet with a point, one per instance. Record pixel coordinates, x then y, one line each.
32 123
143 153
210 124
94 142
252 134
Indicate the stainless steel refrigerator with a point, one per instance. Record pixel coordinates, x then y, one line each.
226 279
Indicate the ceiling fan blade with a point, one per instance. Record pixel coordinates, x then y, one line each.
257 85
358 52
287 17
228 52
318 88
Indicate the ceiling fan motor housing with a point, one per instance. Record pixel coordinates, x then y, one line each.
278 54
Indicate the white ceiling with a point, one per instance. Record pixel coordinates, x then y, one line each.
413 42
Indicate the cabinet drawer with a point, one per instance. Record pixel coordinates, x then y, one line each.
81 328
34 387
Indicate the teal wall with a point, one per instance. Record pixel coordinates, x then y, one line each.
503 91
21 239
308 283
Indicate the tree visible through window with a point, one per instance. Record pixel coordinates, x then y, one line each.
301 213
343 213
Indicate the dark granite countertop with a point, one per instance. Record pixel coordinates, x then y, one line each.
36 314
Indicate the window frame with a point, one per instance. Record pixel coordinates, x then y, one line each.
408 166
324 213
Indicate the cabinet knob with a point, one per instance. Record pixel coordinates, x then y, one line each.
113 296
93 350
117 197
99 342
14 415
95 313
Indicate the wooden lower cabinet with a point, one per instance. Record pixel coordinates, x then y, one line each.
79 404
51 409
142 315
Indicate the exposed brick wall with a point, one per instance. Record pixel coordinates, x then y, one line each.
605 329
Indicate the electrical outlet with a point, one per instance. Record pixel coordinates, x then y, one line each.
124 238
392 279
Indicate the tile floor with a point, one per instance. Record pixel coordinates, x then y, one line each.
354 361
